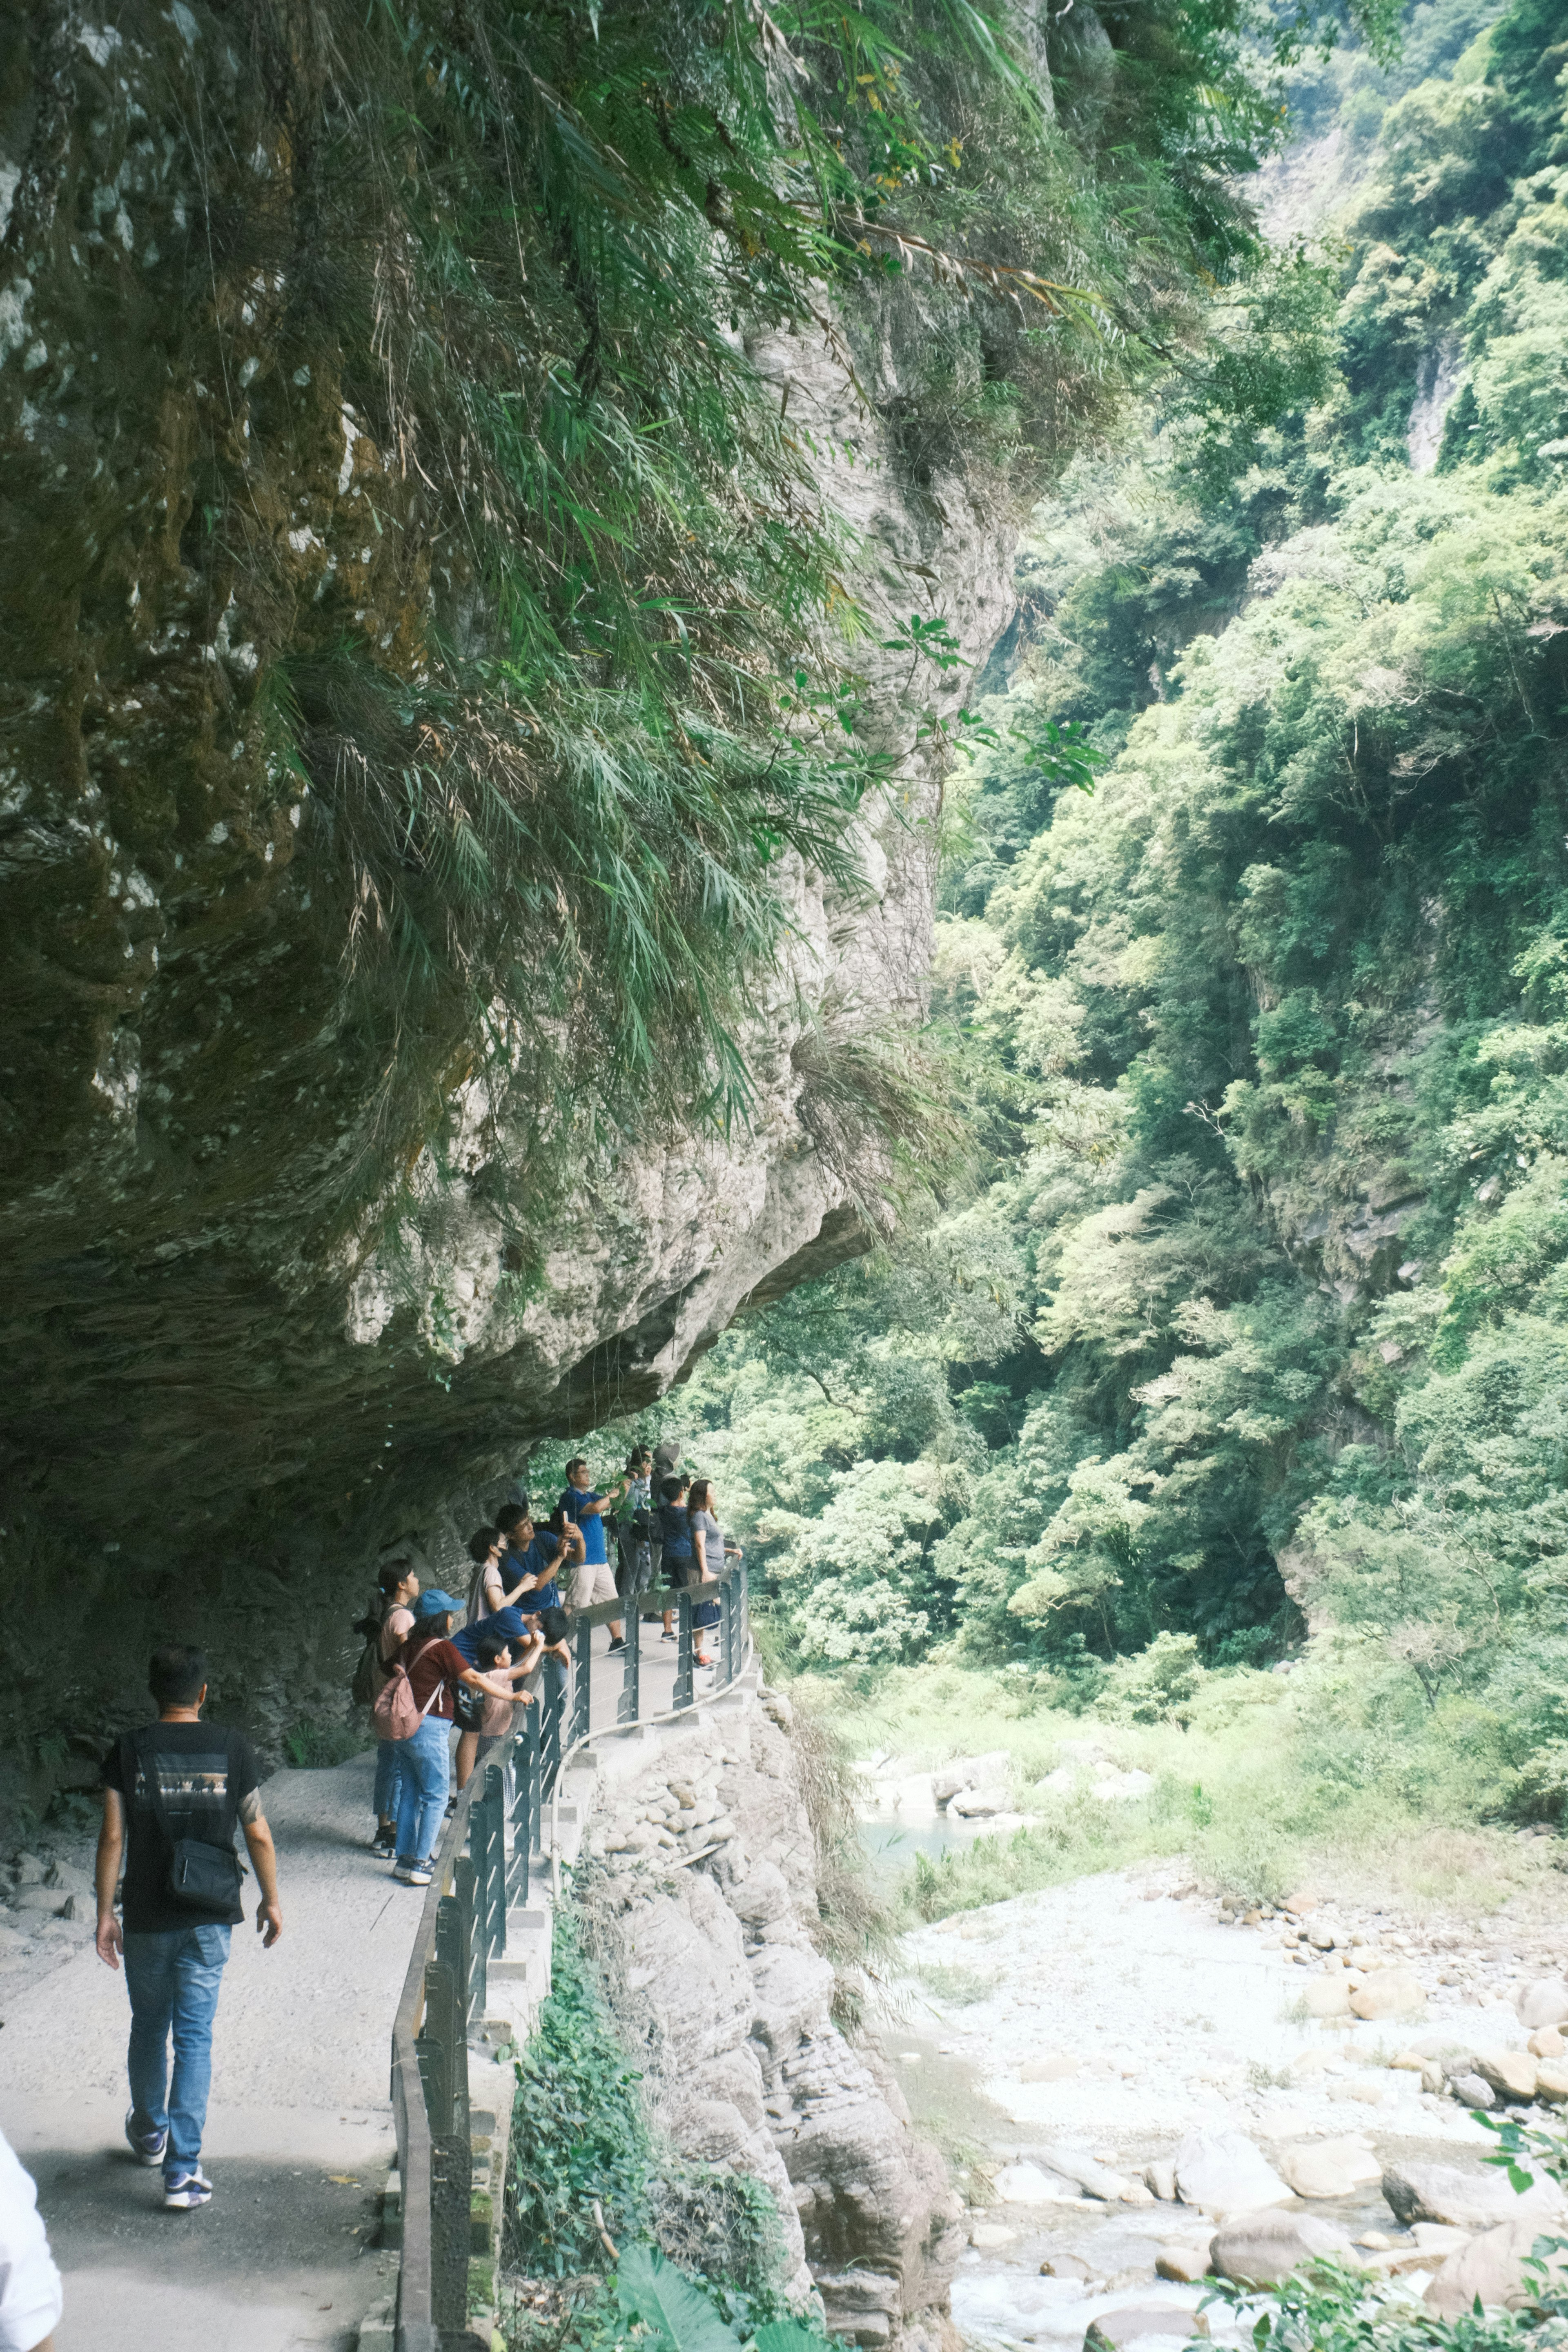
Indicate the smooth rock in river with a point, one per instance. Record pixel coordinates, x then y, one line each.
1391 1992
1327 1996
1225 2173
1510 2073
1261 2249
1492 2267
1136 2323
1028 2184
970 1772
1544 2002
1184 2262
1546 2042
978 1805
987 2235
1161 2179
1471 2090
1552 2080
1465 2200
1327 2167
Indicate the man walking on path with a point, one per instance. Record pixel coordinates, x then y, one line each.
178 1789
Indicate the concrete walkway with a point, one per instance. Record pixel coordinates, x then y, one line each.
299 2131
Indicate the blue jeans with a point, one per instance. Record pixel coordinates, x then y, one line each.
173 1979
388 1796
426 1778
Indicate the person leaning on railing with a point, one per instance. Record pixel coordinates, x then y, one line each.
708 1547
435 1670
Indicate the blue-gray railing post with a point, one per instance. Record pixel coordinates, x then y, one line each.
630 1705
524 1767
549 1742
682 1696
726 1633
580 1694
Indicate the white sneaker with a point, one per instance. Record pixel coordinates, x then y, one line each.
147 2147
184 2191
415 1874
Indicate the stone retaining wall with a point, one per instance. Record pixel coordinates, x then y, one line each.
701 1904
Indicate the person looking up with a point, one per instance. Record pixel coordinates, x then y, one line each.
492 1653
172 1794
436 1669
707 1559
399 1589
634 1532
676 1530
585 1507
497 1564
478 1716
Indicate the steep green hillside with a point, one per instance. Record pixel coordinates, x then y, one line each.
1255 1312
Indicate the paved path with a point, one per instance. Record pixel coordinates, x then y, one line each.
299 2131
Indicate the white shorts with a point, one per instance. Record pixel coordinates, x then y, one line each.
592 1581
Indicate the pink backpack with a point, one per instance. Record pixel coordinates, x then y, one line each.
395 1715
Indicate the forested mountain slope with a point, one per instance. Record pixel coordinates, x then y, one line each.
1255 1313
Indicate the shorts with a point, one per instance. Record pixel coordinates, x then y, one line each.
593 1580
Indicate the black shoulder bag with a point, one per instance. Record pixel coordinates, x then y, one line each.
203 1877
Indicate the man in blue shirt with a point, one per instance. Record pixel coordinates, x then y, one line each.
585 1508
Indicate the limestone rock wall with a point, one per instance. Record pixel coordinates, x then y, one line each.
252 1350
703 1902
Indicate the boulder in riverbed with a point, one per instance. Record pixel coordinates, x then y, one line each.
970 1772
1225 2173
1492 2267
1261 2249
1186 2260
1137 2321
1328 1996
1030 2184
1510 2073
1544 2002
1327 2167
1391 1992
1465 2200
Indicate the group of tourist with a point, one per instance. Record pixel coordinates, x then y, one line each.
175 1792
468 1674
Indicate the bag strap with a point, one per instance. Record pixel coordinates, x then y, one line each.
436 1691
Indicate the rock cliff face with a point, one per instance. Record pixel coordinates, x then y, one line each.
257 1342
703 1918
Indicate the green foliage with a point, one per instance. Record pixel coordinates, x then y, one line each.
1327 2309
1257 1272
551 805
583 2167
578 2132
679 2317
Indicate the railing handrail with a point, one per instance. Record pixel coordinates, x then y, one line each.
418 2326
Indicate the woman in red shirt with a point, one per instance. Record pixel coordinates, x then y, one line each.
435 1668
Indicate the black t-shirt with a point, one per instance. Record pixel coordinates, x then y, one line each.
204 1774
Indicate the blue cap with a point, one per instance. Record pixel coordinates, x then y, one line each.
435 1605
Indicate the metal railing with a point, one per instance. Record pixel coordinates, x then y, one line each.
491 1849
